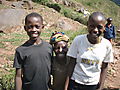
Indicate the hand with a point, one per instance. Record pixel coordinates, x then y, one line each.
98 86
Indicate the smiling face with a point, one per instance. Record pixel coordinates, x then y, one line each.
60 49
33 27
95 26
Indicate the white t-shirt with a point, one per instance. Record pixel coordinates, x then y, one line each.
89 58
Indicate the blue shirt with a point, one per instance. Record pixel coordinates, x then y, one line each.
109 32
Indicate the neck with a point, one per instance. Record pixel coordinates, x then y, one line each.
61 61
93 41
35 41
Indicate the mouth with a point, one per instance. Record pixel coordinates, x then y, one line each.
34 34
61 55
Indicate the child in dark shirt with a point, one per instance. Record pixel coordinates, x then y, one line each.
59 42
33 59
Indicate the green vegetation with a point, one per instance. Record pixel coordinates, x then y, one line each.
3 6
109 8
69 12
43 2
7 81
2 45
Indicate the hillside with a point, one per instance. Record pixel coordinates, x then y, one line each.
66 19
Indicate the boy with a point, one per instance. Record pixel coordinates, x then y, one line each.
59 42
33 59
89 56
109 32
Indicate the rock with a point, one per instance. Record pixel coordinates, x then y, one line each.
2 1
64 25
18 4
27 4
118 31
10 18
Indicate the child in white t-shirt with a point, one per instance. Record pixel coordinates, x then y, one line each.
89 56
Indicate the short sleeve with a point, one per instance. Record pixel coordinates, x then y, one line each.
17 60
72 52
109 54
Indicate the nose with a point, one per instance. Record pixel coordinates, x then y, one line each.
95 31
33 29
60 49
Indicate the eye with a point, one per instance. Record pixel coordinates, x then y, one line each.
64 47
31 26
37 26
92 26
100 27
56 47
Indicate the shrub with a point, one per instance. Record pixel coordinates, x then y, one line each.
43 2
7 81
75 16
55 6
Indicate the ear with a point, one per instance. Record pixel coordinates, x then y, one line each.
43 26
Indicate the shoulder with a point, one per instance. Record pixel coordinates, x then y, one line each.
47 45
22 47
106 42
80 37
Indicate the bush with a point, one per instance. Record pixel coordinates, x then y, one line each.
7 81
55 6
43 2
75 16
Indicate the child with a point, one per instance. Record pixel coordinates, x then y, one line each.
59 42
33 59
89 55
109 32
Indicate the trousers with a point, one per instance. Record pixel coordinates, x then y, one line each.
76 86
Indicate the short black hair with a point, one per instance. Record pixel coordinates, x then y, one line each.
109 19
97 16
33 14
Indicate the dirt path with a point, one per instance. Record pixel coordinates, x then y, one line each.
113 77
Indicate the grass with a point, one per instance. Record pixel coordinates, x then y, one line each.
3 6
14 38
109 8
2 45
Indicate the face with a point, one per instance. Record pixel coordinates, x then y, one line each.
33 27
60 49
95 30
109 22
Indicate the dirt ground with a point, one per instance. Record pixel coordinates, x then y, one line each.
113 76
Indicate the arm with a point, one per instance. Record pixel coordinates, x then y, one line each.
114 32
18 79
102 75
71 66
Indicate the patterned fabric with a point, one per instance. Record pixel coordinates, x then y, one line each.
58 36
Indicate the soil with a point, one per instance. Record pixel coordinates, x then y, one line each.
112 81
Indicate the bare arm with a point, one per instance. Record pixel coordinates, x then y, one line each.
18 79
102 75
71 66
